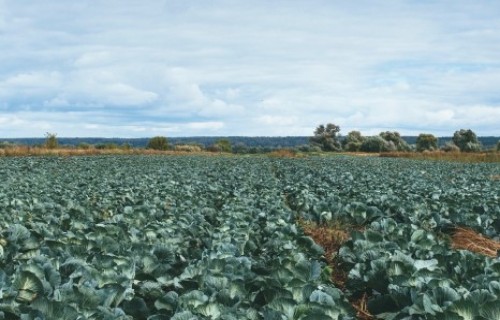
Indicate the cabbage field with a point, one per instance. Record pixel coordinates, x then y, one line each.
198 237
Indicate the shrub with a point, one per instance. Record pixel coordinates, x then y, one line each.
51 141
6 144
426 141
84 146
466 140
222 145
353 141
450 147
326 137
158 143
188 148
376 144
396 143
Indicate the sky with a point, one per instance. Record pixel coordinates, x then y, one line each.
136 68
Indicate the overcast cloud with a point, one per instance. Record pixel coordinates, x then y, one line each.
134 68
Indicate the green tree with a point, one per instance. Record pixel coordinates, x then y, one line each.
498 145
326 137
395 142
157 143
450 147
353 141
222 145
51 140
466 140
426 141
376 144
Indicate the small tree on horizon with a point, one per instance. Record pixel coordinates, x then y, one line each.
51 140
158 143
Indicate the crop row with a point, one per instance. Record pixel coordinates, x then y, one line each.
158 237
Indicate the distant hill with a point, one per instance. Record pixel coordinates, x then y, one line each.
262 142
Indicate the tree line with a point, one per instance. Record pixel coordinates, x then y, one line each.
327 138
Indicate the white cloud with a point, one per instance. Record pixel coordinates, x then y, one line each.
32 80
94 59
277 120
259 68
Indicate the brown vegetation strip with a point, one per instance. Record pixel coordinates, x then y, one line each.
37 151
468 239
446 156
284 153
331 238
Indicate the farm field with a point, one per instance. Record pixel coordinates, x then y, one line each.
197 237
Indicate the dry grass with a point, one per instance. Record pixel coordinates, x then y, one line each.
468 239
284 153
495 178
20 151
331 238
361 307
446 156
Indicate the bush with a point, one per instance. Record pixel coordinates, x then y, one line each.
466 140
158 143
498 145
326 137
106 146
240 148
51 141
450 147
426 142
188 148
353 141
222 145
126 146
376 144
84 146
396 143
6 144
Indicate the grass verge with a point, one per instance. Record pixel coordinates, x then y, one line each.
446 156
38 151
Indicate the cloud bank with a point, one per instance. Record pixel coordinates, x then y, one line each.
134 68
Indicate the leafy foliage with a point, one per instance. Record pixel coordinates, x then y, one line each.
376 144
326 137
158 143
426 141
353 141
51 140
394 141
221 145
163 237
466 140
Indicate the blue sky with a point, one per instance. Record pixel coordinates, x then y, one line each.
135 68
